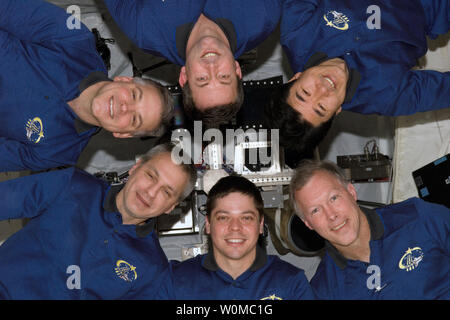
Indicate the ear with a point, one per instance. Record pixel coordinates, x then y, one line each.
338 111
123 79
238 69
351 189
122 135
295 77
306 223
207 225
182 79
261 226
171 208
133 168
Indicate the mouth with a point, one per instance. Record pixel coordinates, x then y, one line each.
209 54
338 227
142 200
111 109
234 241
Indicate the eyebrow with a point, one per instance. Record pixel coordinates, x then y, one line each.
243 212
204 84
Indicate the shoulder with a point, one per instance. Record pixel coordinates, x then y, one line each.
186 266
412 210
283 269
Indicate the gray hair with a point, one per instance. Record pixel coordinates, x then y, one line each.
188 168
306 170
167 111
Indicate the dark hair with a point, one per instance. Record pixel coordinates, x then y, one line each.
294 131
167 107
231 184
216 115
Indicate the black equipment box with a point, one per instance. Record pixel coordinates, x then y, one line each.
433 181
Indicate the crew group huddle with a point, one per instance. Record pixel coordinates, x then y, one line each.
87 239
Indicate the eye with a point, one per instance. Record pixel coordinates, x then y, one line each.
334 198
133 93
314 211
222 218
201 78
247 218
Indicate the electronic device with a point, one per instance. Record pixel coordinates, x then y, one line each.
433 181
372 166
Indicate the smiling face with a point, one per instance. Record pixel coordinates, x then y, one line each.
234 225
124 107
212 73
318 92
152 189
330 208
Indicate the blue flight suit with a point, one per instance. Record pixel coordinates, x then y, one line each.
43 63
162 27
75 245
384 57
269 278
409 257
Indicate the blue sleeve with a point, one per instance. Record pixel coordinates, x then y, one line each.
126 15
298 28
17 156
422 90
34 20
45 35
28 196
301 289
166 291
152 25
401 92
436 220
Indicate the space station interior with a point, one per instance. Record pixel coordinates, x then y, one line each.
381 155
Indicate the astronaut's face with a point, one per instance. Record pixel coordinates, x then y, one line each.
212 74
125 108
153 188
318 92
329 207
234 225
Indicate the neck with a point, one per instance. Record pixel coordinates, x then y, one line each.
82 104
360 248
235 267
205 27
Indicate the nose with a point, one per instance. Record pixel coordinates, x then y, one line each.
152 190
235 224
125 107
330 213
